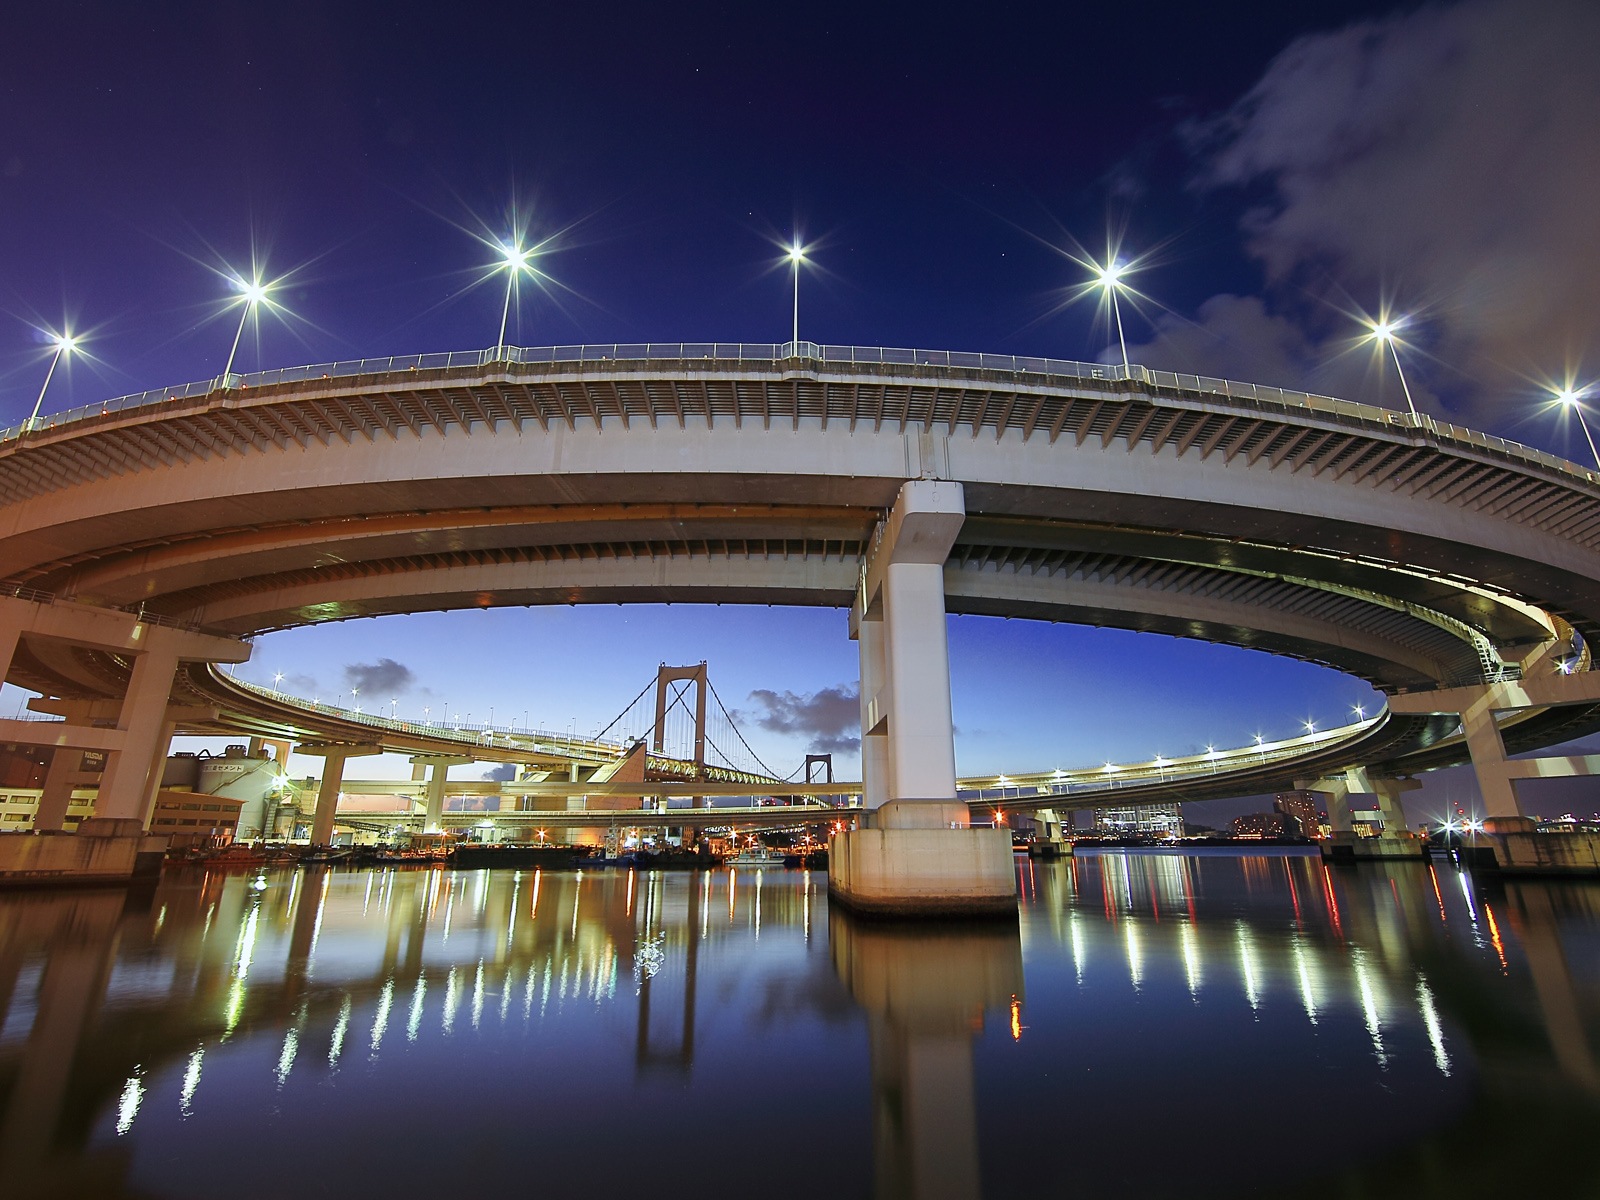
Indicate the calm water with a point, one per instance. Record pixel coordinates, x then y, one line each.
1195 1026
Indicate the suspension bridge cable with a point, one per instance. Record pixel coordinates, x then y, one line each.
626 709
773 774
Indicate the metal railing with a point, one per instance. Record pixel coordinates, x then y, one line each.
780 353
464 733
137 612
1117 776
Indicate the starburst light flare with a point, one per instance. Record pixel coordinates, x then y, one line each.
1572 399
1385 332
251 294
796 256
65 343
514 261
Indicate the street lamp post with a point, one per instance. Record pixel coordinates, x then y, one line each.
1572 399
515 261
797 255
1109 278
1384 331
65 343
252 294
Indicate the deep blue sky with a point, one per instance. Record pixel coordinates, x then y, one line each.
1282 166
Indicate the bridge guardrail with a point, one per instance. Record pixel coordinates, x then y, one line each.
579 354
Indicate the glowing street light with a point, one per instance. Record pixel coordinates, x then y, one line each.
1109 278
514 261
796 255
1568 398
64 343
250 294
1384 331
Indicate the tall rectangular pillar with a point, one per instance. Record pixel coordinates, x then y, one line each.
327 798
1488 752
123 786
874 728
60 777
919 855
922 746
10 638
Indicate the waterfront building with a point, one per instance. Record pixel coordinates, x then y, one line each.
1142 820
1258 825
1301 805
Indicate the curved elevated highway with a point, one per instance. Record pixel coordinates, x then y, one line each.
1425 558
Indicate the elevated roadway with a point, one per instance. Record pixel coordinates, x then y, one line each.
1411 553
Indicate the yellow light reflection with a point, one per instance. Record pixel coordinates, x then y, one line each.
1130 935
1016 1019
414 1021
1077 945
340 1029
1191 959
1308 995
452 993
380 1022
1430 1019
191 1082
1247 965
291 1047
128 1103
1369 1007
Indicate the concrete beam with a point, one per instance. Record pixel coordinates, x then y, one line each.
1538 692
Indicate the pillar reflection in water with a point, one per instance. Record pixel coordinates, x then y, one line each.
80 932
925 990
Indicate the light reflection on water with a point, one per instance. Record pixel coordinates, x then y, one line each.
1155 1025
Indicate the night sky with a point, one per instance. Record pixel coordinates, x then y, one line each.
1274 170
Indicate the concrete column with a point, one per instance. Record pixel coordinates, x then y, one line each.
438 766
152 783
1335 791
334 756
327 797
66 765
874 730
10 636
919 856
1488 752
124 786
1389 807
922 748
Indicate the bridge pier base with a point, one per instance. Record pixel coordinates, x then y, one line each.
917 853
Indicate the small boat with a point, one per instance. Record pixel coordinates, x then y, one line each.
757 858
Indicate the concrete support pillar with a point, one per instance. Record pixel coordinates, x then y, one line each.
334 756
438 766
922 748
874 729
919 856
1488 752
124 787
327 798
10 637
60 777
1335 791
1388 792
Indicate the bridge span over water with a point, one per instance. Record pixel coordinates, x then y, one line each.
1456 572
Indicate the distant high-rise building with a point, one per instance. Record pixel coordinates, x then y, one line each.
1302 806
1142 820
1263 825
